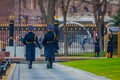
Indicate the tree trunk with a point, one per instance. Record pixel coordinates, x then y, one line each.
101 42
40 3
64 11
99 13
51 12
49 16
65 35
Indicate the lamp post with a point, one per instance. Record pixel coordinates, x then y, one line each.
56 30
56 24
11 28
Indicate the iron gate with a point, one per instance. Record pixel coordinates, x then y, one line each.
80 40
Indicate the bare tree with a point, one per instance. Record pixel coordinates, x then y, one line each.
100 7
49 16
64 8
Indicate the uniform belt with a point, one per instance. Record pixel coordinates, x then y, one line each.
29 42
50 41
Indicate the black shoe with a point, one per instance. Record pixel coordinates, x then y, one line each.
48 65
51 65
29 65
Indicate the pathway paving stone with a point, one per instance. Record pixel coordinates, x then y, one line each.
59 72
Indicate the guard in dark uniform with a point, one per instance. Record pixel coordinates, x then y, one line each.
50 46
29 40
69 41
110 44
97 46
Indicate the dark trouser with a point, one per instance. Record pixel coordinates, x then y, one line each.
49 63
30 64
97 54
110 55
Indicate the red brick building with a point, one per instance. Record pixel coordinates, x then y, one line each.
27 11
5 10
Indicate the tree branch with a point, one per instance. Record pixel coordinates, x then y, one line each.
105 6
68 1
63 5
40 2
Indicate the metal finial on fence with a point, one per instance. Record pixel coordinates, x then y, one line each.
11 17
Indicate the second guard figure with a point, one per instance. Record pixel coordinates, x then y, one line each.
97 46
29 40
110 44
50 46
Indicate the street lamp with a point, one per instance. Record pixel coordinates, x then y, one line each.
11 32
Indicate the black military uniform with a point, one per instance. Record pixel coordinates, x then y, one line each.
29 40
110 45
50 46
97 46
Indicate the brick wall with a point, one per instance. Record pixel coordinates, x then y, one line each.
12 6
5 10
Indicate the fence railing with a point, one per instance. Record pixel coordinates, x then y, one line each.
80 40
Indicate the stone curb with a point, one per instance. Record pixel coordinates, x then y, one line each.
14 72
11 74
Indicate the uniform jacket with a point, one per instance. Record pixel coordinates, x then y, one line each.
50 45
97 46
29 40
110 44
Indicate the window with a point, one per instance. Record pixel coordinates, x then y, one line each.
24 19
109 10
73 9
33 4
85 9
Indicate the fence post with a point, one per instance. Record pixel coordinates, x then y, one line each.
11 32
56 24
56 30
118 44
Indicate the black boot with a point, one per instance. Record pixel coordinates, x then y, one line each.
48 64
97 54
51 63
110 55
30 64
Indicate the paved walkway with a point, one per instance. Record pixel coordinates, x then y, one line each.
59 72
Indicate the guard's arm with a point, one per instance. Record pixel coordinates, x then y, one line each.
37 42
24 40
44 40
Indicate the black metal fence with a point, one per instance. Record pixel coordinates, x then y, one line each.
80 40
